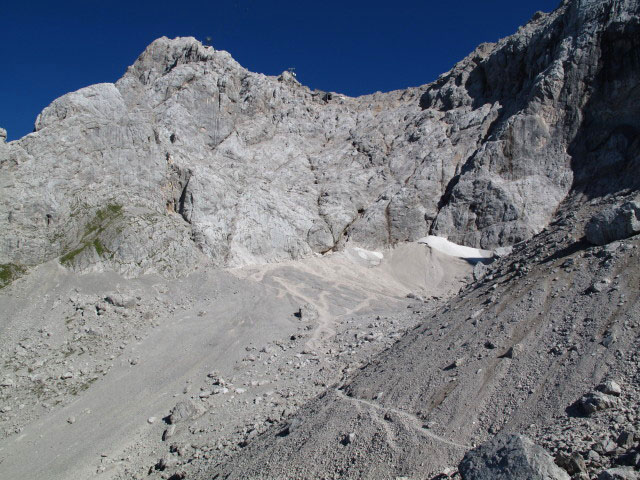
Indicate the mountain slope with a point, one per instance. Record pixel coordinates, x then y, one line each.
214 164
293 219
511 353
514 352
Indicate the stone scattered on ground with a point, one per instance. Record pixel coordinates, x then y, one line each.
507 457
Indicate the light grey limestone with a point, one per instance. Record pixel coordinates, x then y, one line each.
214 164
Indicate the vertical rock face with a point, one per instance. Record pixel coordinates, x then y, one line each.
550 83
210 162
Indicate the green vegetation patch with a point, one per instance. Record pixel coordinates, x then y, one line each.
9 272
101 220
100 249
67 259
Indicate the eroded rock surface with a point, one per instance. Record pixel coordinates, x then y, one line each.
614 223
507 457
211 163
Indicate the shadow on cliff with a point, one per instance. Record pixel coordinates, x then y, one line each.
605 151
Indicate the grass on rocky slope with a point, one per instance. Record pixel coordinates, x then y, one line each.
101 220
9 272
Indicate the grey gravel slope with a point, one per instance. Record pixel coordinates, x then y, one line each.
87 359
511 353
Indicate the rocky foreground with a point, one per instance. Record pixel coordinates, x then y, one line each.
211 273
544 345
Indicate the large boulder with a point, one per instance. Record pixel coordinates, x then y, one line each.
614 223
595 401
509 457
620 473
183 411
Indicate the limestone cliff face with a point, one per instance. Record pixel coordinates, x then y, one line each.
190 158
565 89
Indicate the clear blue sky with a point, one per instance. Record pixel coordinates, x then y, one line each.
354 47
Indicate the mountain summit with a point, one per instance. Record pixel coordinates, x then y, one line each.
207 162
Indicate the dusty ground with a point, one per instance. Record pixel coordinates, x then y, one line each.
513 352
348 365
93 363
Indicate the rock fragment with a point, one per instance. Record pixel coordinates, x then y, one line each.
165 462
625 439
348 439
573 463
514 352
507 457
614 223
307 313
119 300
596 401
599 286
610 388
168 433
619 473
184 410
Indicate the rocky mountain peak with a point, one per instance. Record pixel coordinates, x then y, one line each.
384 351
244 168
164 54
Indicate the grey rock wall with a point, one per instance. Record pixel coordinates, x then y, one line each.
211 163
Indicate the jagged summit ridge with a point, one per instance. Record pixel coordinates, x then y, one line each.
232 167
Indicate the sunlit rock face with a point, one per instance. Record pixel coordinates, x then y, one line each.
189 158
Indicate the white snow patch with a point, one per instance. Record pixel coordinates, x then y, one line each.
368 254
364 257
443 245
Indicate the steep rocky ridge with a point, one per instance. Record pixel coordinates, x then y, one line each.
213 164
555 84
306 369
